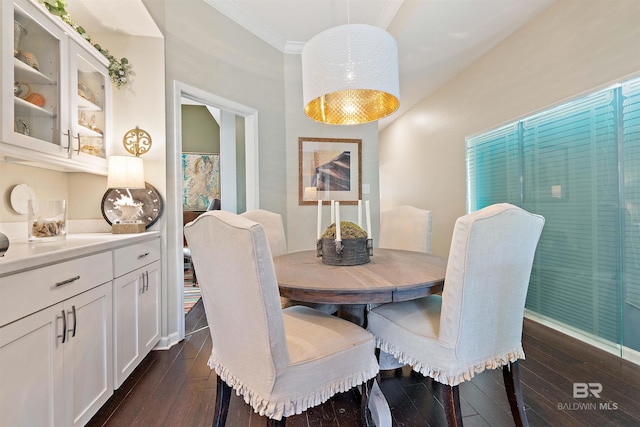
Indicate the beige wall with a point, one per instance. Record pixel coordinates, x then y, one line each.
82 191
210 52
207 50
571 48
46 184
142 104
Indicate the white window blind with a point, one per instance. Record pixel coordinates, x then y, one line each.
497 151
630 170
578 165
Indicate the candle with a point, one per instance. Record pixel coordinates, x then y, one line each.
338 236
319 219
368 214
333 211
360 213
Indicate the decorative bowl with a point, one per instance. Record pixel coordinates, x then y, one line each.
346 252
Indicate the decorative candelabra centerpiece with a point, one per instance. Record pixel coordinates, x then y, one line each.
343 242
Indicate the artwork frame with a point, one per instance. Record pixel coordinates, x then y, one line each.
329 169
200 180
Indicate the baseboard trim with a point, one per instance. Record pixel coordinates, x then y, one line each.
166 343
631 355
623 352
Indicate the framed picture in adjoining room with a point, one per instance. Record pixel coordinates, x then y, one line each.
329 169
200 180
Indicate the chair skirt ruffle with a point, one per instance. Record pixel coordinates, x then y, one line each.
278 407
455 376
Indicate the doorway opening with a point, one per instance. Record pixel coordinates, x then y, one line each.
238 179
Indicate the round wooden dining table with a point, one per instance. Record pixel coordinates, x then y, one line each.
391 275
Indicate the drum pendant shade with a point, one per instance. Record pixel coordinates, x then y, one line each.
350 75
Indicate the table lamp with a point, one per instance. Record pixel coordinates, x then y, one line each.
127 172
310 193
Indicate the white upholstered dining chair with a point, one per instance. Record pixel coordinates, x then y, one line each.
273 226
407 228
477 322
281 361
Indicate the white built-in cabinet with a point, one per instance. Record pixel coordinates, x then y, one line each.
136 292
59 112
56 361
71 333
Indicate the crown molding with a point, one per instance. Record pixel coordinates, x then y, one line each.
294 48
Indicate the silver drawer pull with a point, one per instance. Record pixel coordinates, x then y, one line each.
64 327
143 255
66 282
73 330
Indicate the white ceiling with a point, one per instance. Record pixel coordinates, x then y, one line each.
436 38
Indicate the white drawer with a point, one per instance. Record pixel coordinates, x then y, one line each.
132 257
24 293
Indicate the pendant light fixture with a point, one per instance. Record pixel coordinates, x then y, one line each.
350 75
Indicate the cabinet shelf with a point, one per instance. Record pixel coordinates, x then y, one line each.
85 105
25 108
85 131
25 73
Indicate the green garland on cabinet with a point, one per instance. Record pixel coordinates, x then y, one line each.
119 70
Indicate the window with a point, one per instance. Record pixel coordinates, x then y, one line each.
578 165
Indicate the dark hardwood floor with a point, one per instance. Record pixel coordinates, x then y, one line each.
176 388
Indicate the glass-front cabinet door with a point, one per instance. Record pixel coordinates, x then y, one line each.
59 114
90 103
33 115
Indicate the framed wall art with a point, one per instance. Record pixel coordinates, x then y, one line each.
329 169
200 180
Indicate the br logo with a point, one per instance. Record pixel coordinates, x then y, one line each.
583 390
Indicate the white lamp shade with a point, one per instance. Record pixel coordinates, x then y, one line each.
125 172
310 193
350 75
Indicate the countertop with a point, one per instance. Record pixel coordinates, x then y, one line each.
24 255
